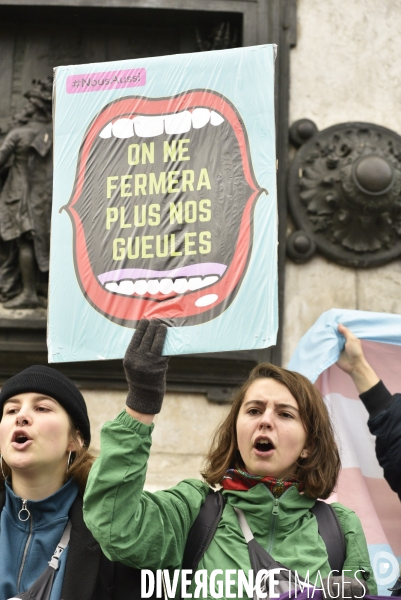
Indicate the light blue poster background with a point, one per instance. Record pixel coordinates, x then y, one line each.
245 76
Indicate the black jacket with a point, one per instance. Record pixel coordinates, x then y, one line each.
385 423
89 575
386 426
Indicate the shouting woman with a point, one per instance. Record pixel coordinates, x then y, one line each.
274 455
46 551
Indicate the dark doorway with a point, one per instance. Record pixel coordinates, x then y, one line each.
35 39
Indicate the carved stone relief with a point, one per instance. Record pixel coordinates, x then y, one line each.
34 38
26 135
344 190
26 141
220 37
25 201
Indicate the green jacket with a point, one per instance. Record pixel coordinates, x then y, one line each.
149 530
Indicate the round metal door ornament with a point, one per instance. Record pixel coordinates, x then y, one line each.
344 190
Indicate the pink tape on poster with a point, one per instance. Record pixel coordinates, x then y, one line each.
109 80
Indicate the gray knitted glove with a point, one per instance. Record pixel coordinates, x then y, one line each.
145 368
333 587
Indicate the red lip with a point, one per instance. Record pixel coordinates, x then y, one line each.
128 310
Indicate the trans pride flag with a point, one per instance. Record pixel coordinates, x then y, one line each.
361 485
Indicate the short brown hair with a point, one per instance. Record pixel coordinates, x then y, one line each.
318 472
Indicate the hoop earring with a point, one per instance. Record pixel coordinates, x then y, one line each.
2 471
69 460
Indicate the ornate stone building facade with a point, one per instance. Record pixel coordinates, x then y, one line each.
344 70
37 35
338 84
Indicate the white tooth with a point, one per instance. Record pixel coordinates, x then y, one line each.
112 286
209 280
215 118
126 287
180 286
106 132
123 128
206 300
195 283
148 126
178 123
166 286
141 287
200 117
153 286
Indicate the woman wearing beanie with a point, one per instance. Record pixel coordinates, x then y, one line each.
46 551
273 456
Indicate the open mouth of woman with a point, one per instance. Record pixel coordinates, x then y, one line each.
264 446
162 208
20 440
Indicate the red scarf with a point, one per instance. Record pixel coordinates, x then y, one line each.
241 481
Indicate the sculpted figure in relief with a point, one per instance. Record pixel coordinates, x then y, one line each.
25 201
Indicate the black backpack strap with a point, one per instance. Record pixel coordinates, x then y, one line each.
107 573
205 525
331 532
203 529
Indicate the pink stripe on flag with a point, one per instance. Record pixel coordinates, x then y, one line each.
370 497
385 360
353 492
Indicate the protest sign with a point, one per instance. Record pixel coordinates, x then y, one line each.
164 204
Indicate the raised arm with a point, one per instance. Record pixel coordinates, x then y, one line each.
372 391
384 409
145 371
137 528
352 360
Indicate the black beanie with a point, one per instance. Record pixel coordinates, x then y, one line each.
45 380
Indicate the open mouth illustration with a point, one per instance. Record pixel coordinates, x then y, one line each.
162 208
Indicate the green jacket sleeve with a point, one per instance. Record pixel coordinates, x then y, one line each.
357 555
137 528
